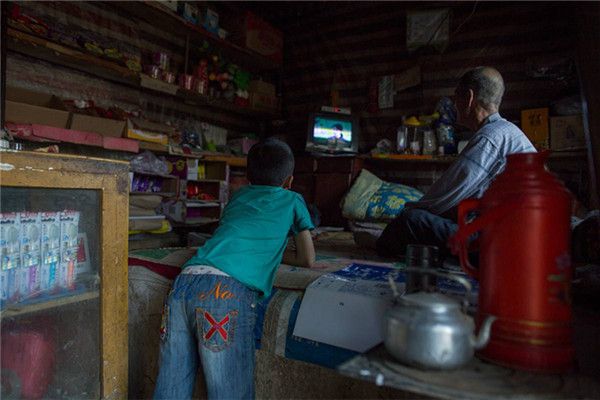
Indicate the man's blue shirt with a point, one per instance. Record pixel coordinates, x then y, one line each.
481 160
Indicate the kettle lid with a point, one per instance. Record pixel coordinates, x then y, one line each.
434 301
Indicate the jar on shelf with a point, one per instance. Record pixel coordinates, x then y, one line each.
429 142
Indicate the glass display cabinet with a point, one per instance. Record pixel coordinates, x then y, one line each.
63 276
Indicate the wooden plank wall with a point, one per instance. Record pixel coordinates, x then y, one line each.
353 43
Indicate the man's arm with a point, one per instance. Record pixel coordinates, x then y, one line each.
304 255
471 173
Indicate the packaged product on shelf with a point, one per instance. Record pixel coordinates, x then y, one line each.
31 227
211 21
189 12
69 228
148 131
161 59
50 250
9 248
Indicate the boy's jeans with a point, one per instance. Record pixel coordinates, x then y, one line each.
207 318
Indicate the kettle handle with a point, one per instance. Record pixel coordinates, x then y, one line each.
459 279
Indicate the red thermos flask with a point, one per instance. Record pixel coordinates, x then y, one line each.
524 272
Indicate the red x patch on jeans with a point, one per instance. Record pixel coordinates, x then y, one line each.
216 326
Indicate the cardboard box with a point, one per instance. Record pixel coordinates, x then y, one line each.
148 131
566 133
28 107
185 210
140 182
261 101
534 123
101 126
257 35
241 145
346 308
262 87
214 170
206 190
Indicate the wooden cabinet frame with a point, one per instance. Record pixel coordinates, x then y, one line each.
38 170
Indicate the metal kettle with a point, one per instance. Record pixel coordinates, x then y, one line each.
430 330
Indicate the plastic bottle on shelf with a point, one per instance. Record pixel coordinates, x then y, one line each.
445 125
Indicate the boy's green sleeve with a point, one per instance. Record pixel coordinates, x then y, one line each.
302 220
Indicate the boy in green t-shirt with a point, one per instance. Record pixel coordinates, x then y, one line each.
210 313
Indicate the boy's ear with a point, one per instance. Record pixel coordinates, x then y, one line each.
287 183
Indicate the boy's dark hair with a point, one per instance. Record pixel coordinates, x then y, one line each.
270 162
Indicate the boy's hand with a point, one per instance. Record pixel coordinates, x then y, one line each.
304 256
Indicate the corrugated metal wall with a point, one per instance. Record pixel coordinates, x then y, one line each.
352 44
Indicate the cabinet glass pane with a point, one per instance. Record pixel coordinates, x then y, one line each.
50 285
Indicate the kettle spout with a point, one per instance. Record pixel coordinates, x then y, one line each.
484 333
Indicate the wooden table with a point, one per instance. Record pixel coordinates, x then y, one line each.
477 380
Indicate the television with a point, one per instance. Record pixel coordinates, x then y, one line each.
332 133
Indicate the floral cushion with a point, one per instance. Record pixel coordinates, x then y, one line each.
371 198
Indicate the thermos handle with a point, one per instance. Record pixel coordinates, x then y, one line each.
459 242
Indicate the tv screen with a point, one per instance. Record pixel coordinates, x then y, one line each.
332 133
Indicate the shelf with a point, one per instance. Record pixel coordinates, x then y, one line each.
205 180
201 204
193 98
14 310
162 17
55 53
40 48
232 161
411 158
163 194
190 222
157 147
167 176
568 154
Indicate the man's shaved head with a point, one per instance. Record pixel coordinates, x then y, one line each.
487 84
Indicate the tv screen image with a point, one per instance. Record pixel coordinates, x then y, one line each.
332 133
326 129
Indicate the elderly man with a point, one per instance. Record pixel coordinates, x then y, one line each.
432 220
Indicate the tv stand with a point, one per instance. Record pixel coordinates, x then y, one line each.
323 179
332 153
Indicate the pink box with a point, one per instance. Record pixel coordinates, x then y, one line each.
25 131
67 135
113 143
